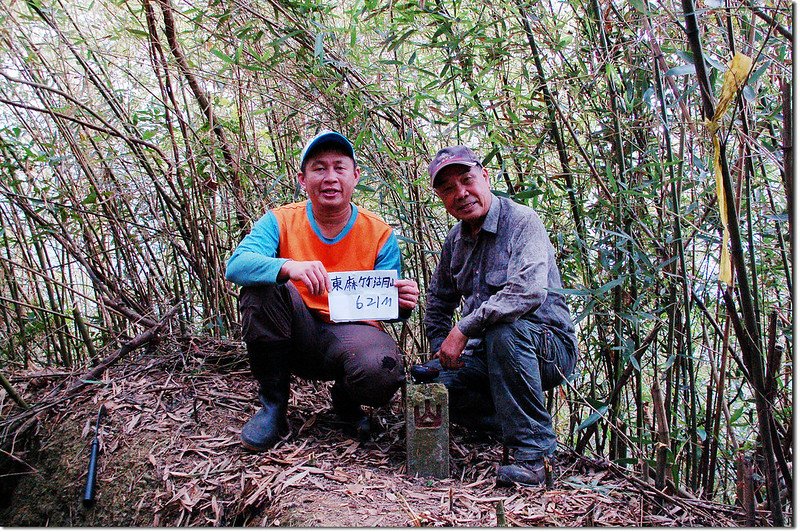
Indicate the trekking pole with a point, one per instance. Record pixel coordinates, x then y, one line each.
91 477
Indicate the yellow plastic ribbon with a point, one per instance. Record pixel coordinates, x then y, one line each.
735 77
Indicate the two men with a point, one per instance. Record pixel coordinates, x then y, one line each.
283 266
514 341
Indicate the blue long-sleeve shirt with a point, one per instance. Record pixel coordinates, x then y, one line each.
291 232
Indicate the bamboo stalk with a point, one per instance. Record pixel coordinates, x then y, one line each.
786 33
12 392
781 241
678 239
714 435
14 291
555 134
704 463
744 488
662 435
84 331
208 111
54 304
762 411
787 145
748 333
774 353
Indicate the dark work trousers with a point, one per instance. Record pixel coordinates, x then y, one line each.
501 386
363 358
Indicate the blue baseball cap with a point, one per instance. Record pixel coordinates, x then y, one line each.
327 139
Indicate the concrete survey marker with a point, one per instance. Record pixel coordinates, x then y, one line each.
427 430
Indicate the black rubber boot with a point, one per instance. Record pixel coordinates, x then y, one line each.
269 365
357 423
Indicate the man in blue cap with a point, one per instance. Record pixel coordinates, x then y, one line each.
515 339
283 266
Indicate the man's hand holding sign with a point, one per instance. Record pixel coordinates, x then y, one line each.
404 293
370 295
363 295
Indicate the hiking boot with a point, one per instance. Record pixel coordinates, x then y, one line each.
357 423
524 472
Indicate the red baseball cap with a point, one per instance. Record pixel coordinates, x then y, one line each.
452 155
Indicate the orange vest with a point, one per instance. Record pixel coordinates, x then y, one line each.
357 250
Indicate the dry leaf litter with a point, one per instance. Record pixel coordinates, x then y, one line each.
170 456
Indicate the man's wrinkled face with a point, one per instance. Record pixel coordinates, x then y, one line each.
329 178
465 192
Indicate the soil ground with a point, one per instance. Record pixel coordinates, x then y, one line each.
170 456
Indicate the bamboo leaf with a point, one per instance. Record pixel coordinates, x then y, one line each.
137 32
682 70
319 47
593 418
222 55
609 285
640 6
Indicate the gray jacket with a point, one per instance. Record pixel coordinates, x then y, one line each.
503 273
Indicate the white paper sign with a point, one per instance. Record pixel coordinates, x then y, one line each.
363 295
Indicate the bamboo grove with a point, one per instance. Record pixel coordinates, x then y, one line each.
139 140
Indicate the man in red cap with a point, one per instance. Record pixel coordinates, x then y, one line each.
515 339
283 265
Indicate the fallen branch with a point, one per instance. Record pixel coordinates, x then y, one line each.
129 313
29 417
12 392
709 510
